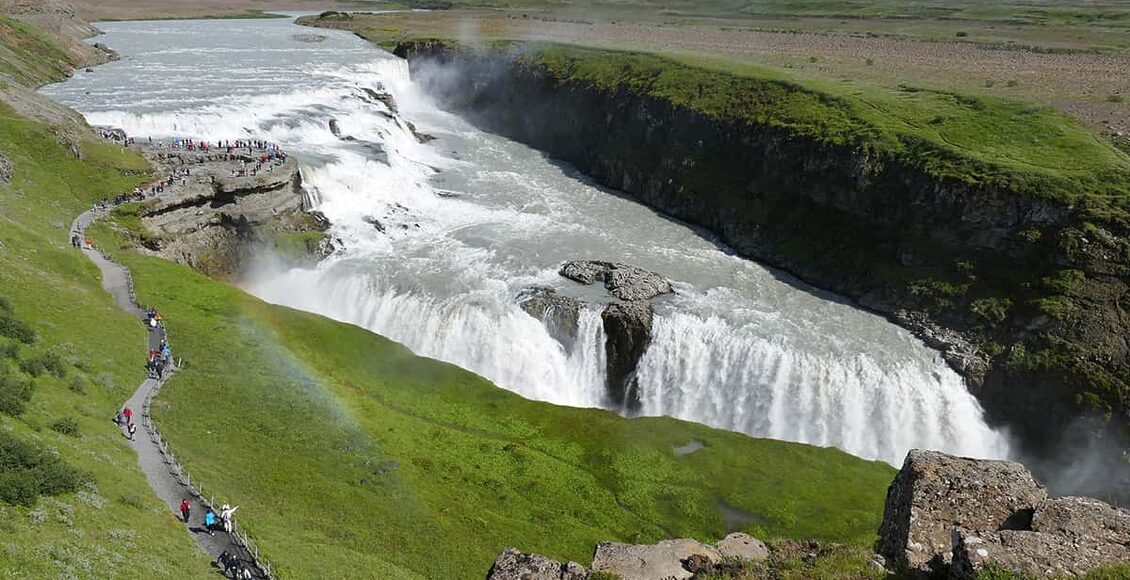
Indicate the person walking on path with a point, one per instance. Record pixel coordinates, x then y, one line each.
225 516
131 428
184 509
128 414
210 522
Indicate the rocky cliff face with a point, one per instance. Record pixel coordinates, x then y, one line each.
211 220
1022 294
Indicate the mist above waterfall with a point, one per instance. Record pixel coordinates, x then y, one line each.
438 240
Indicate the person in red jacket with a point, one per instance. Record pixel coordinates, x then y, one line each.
128 414
184 509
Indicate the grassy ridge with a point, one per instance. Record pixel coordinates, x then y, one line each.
54 288
31 57
351 456
977 139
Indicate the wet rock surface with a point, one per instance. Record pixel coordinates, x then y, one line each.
627 328
560 314
959 516
622 281
515 565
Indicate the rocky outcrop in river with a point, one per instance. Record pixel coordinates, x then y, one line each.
1021 291
627 321
959 516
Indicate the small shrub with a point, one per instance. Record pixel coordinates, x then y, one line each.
1114 99
1031 235
962 34
1058 307
28 471
78 384
48 362
993 310
10 350
870 62
1064 281
66 426
132 501
15 392
989 83
1012 83
12 327
813 59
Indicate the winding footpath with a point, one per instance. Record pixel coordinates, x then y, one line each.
165 476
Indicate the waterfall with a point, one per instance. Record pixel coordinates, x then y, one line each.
439 240
715 373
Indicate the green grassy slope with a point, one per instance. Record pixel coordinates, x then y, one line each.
117 528
31 57
351 457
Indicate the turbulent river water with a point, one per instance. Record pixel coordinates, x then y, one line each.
470 220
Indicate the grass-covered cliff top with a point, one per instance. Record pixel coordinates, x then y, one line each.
985 140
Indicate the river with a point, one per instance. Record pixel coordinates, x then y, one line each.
468 221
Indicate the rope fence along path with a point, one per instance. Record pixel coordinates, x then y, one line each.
165 474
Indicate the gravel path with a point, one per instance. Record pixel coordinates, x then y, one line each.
164 477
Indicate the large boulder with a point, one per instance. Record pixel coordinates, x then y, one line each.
1033 554
515 565
560 314
743 547
622 281
627 328
664 560
1083 517
934 493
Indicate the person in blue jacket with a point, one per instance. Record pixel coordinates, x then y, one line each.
210 522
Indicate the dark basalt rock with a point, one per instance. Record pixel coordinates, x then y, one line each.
560 314
627 326
623 281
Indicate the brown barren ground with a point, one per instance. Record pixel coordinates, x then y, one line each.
1091 86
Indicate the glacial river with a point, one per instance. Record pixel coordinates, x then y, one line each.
471 219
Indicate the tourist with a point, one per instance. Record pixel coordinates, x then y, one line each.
225 515
128 413
228 563
131 428
184 509
210 522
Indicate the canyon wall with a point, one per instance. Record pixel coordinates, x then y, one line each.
1022 291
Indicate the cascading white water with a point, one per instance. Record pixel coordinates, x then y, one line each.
438 240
